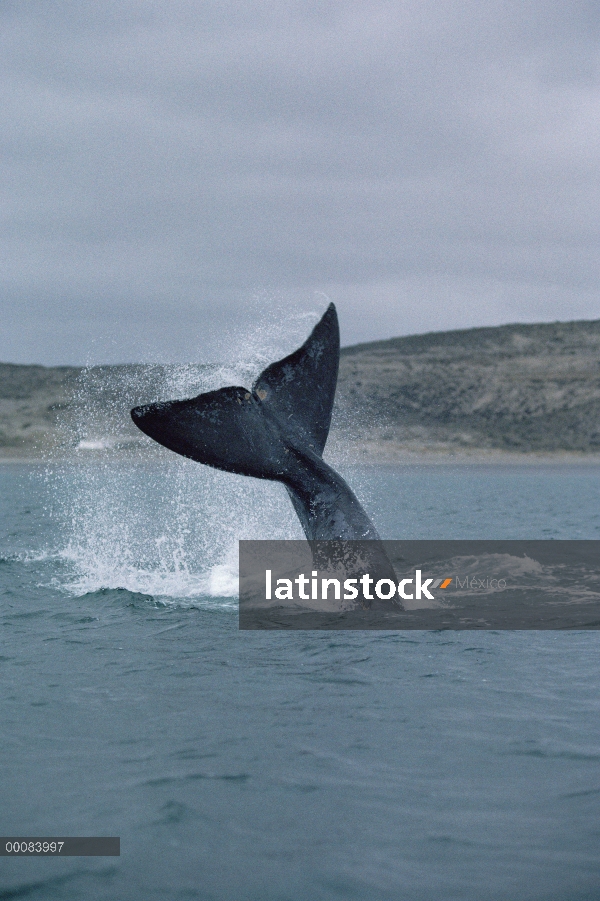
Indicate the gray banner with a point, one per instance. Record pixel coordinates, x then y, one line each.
419 585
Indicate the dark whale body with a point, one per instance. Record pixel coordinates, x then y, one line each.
276 431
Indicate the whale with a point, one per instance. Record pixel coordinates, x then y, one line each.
276 430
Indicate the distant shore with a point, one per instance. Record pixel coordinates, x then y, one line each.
504 395
372 453
352 454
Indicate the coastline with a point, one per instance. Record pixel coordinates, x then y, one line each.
397 453
524 394
367 453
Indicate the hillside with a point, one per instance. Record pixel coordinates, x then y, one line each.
518 388
514 387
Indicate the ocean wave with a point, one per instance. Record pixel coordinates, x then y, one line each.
171 583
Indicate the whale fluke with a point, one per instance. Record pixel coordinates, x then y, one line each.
253 432
277 430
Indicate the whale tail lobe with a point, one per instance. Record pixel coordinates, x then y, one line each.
257 432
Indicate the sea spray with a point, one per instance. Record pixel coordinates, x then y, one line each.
138 517
135 516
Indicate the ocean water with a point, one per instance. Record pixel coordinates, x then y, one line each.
278 766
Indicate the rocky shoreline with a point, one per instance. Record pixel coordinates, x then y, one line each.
509 393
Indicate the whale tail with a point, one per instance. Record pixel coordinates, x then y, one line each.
253 432
278 430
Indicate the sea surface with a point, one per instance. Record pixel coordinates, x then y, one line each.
283 766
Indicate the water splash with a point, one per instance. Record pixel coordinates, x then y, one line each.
138 517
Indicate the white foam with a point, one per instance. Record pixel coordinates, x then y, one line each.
95 444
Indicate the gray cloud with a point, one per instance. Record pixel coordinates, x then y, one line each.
174 170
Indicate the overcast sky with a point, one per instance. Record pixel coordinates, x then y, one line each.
178 177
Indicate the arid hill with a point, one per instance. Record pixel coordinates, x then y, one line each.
512 388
